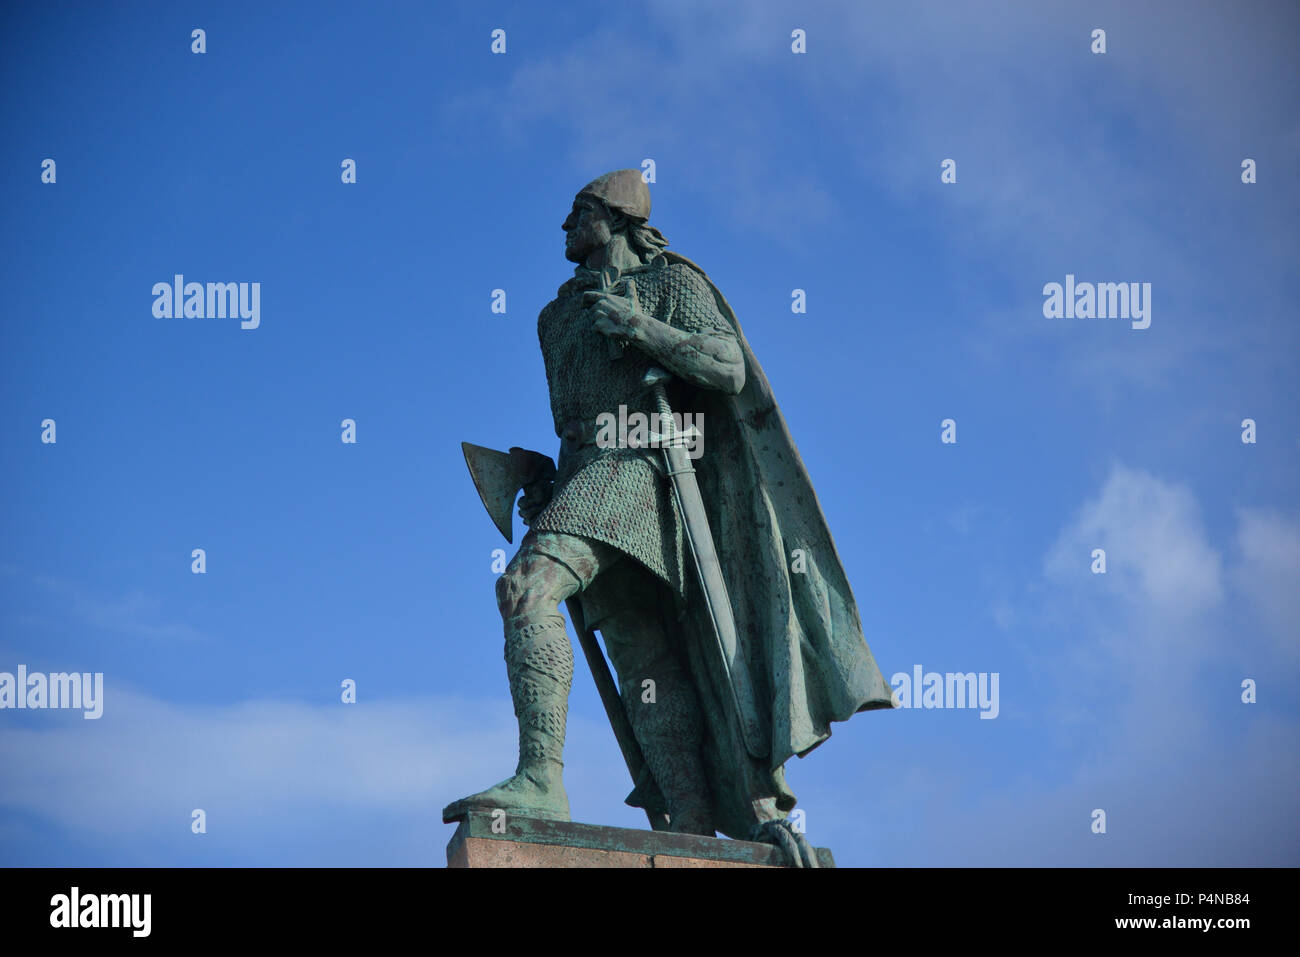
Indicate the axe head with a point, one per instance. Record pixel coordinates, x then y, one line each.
499 477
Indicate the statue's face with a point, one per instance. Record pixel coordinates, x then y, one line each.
586 229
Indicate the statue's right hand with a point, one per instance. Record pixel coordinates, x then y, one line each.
537 495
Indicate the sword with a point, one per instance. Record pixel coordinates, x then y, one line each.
695 523
699 538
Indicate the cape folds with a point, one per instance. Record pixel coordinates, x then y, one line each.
800 632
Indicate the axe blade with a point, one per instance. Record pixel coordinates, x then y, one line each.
500 476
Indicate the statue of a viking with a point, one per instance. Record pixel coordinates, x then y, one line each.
715 716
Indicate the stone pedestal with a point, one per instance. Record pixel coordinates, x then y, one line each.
481 841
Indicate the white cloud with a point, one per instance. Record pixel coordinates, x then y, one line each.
148 759
1157 555
1135 702
263 770
1269 572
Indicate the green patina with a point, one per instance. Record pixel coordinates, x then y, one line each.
706 723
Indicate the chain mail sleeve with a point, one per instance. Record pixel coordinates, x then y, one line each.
697 343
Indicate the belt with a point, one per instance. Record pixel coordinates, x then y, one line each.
578 434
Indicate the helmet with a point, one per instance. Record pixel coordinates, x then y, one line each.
623 190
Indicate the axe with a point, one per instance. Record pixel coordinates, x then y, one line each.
501 476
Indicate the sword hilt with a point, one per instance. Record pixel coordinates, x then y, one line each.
655 378
609 279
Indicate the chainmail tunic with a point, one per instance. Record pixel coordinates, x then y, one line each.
618 495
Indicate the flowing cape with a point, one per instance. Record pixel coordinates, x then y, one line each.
799 632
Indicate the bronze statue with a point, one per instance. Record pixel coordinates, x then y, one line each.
702 556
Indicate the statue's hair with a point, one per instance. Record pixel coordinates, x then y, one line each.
644 240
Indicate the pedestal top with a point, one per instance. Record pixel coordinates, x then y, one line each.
506 840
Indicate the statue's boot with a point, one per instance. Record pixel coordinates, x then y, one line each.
539 662
670 731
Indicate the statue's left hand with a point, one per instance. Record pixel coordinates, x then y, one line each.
613 315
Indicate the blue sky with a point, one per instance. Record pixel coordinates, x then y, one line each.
774 171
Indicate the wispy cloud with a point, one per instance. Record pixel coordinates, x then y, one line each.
1268 572
135 614
1157 555
265 771
1135 678
1055 146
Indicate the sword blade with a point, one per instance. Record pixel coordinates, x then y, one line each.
699 537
